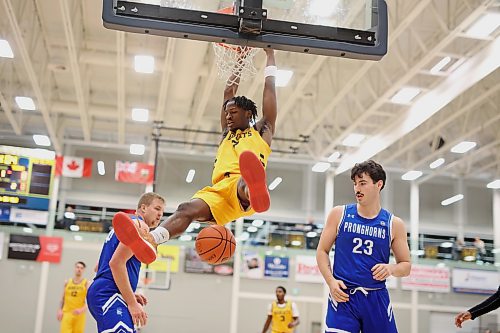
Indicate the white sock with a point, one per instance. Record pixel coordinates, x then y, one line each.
161 235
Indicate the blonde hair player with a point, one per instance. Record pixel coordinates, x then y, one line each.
71 313
111 297
239 178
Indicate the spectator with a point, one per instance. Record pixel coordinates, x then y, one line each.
479 245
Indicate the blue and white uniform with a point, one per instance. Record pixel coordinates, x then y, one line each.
361 244
104 300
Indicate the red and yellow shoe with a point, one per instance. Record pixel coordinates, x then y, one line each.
254 175
130 235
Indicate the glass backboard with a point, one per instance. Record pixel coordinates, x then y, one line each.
347 28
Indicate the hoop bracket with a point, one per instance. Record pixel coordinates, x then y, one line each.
250 16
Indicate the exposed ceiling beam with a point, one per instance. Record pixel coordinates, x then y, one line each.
203 102
473 104
465 159
406 77
120 80
32 77
8 113
471 72
165 79
75 68
356 77
470 133
313 69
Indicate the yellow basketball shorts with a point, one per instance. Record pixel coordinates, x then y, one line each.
222 198
71 323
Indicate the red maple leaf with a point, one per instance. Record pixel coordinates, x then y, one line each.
73 166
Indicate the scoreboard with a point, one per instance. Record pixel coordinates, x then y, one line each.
25 178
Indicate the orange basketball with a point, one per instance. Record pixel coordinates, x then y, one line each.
215 244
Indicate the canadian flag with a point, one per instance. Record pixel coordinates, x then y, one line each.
76 167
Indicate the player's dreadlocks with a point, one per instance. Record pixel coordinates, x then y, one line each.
244 103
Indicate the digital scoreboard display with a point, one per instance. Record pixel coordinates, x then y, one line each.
25 178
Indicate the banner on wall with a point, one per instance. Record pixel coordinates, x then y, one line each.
475 281
194 264
134 172
166 255
306 269
37 248
427 278
276 267
252 265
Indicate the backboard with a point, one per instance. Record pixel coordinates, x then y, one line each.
344 28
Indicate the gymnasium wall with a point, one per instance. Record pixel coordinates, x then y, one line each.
194 303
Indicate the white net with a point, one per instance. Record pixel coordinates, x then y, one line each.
234 62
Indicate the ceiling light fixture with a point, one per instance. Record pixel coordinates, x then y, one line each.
283 77
5 49
436 163
405 95
190 176
333 157
494 184
484 26
411 175
321 167
141 115
41 140
25 103
137 149
453 199
353 140
144 64
440 65
463 147
275 183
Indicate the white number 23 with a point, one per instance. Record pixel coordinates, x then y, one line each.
368 248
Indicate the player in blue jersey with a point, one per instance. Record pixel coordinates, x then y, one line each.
364 234
110 297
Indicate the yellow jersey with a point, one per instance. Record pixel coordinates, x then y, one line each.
74 295
281 318
234 143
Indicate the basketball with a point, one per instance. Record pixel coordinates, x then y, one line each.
215 244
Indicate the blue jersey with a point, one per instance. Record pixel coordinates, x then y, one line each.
104 300
361 244
104 271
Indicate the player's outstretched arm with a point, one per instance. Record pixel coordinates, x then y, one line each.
230 91
269 101
120 276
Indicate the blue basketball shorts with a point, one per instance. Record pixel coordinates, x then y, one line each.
108 308
367 311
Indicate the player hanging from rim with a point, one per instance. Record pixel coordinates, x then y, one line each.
239 178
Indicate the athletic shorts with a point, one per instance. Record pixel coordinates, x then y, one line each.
370 313
108 308
222 198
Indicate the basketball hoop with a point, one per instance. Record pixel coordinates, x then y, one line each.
234 60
